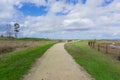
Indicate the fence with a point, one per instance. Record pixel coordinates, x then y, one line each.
107 48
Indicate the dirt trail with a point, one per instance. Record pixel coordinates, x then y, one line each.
56 64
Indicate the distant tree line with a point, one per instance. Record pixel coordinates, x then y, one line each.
11 30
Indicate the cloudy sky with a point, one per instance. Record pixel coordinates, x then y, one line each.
63 19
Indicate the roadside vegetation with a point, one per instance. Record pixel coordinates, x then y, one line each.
99 65
12 44
15 64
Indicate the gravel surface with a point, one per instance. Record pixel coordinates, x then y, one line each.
56 64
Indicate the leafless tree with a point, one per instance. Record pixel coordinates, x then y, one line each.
9 30
1 36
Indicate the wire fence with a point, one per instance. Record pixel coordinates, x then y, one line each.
108 48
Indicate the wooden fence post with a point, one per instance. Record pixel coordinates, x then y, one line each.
106 48
89 43
93 44
119 55
98 47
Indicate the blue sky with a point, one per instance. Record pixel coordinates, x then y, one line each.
63 19
32 10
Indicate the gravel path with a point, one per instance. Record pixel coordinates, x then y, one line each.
56 64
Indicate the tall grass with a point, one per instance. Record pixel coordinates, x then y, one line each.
15 64
99 65
12 45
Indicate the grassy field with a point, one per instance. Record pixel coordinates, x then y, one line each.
99 65
11 44
15 64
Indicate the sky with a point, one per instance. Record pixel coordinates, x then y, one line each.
62 19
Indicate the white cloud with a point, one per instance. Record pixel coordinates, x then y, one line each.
91 17
8 11
94 3
37 2
81 23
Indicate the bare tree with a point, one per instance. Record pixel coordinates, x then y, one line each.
9 30
1 36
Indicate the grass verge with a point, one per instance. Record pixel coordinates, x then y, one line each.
14 65
99 65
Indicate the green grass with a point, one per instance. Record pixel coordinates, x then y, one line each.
99 65
15 64
35 39
24 39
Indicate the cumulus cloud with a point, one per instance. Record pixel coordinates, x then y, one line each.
95 17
